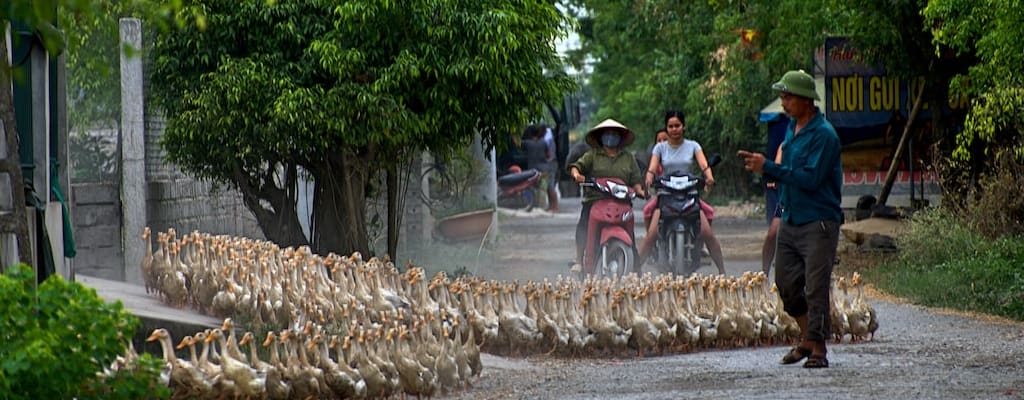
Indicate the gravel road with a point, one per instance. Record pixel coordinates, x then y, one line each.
917 353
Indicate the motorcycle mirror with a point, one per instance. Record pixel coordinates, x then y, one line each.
714 160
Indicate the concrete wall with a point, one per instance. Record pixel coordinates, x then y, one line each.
97 228
178 201
187 205
108 218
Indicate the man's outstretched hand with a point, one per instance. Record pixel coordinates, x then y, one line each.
753 162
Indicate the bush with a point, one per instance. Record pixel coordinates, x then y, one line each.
56 337
996 208
934 236
944 263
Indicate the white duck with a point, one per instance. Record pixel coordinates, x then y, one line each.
247 381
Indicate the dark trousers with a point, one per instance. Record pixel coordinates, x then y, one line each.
803 261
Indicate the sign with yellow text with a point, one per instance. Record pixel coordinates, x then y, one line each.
859 95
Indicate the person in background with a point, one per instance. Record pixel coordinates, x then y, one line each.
652 204
536 153
606 159
809 179
773 212
552 171
681 154
660 136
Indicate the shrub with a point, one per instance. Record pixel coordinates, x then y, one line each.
934 236
946 264
996 208
56 337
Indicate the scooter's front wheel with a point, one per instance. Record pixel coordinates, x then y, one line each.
687 252
617 259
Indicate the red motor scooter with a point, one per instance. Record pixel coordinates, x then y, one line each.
610 249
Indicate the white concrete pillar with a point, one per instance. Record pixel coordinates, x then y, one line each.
41 122
133 151
427 223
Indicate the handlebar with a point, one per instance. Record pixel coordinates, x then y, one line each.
592 183
699 179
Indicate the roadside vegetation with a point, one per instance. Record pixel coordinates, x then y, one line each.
60 340
967 257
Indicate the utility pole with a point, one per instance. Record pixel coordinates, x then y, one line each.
890 177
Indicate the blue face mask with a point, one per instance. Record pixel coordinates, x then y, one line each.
611 139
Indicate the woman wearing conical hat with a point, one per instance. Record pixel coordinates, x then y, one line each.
606 159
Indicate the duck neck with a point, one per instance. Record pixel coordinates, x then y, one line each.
168 348
254 359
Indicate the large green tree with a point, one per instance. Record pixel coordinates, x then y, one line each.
334 91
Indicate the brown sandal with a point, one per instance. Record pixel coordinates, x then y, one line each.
816 361
794 355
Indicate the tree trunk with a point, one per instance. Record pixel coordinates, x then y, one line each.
10 163
279 223
339 203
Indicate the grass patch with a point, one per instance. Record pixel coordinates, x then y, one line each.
943 264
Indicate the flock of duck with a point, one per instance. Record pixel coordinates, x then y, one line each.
397 332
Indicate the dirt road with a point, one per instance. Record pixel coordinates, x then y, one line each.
917 353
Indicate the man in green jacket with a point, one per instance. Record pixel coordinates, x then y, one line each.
810 180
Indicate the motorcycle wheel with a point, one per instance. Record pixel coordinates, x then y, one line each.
686 252
618 259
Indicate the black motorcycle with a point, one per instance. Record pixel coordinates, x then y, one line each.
678 248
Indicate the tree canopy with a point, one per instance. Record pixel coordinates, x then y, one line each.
989 31
271 93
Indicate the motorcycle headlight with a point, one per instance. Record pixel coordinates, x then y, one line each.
680 182
619 191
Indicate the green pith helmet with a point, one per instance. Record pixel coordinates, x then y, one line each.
797 82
